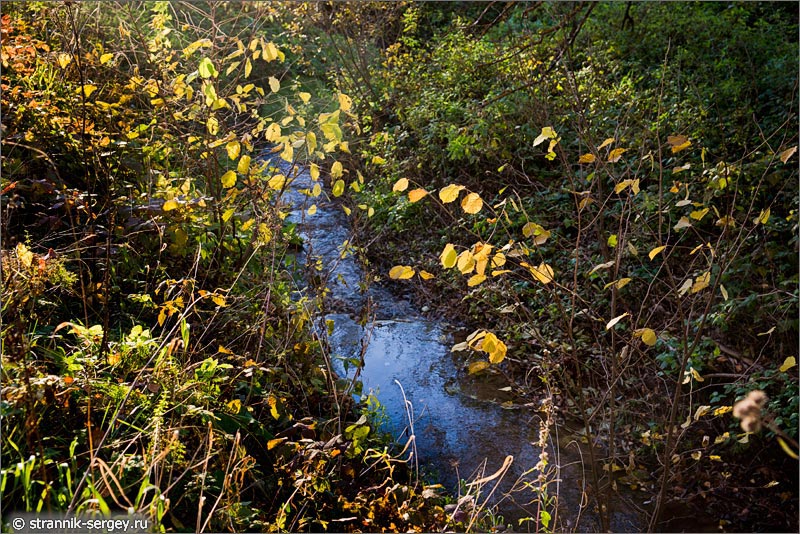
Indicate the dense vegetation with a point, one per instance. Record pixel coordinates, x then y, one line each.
605 192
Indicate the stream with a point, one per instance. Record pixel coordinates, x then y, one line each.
464 427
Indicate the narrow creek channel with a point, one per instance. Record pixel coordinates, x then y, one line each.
461 428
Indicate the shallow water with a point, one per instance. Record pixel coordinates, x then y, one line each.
460 427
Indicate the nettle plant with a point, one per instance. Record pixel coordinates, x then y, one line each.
634 273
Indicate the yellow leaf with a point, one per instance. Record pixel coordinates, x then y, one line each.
543 273
345 102
313 170
274 84
271 444
494 347
448 256
312 210
615 320
316 191
24 255
615 155
233 148
763 217
400 185
170 205
416 194
696 455
273 132
228 179
377 160
277 182
476 279
678 143
305 97
715 458
64 60
656 251
347 211
788 153
270 52
586 158
547 133
219 300
477 367
498 260
212 125
105 58
223 350
466 262
88 90
647 335
723 291
698 214
337 169
696 375
472 203
248 68
605 143
244 165
425 275
288 152
450 193
226 216
273 406
401 272
498 272
533 229
622 186
792 454
338 188
788 363
701 282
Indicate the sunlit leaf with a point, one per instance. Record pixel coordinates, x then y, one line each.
227 214
64 60
788 363
312 210
206 69
450 193
401 272
586 158
656 251
248 68
788 153
647 335
243 167
400 185
605 143
228 179
416 194
25 256
448 256
494 347
305 97
763 217
466 262
338 188
345 102
313 170
615 320
105 58
170 205
498 260
378 160
472 203
88 90
543 273
273 133
337 169
612 240
615 155
274 84
277 182
234 149
678 143
699 214
212 125
547 133
219 300
476 279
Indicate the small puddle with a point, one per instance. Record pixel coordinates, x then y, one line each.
460 426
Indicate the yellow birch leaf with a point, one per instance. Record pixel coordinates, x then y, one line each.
316 190
219 300
656 251
288 152
476 279
64 60
586 158
248 68
788 363
312 210
620 187
472 203
227 214
277 182
615 155
401 272
336 170
697 376
243 167
170 205
547 133
347 211
400 185
699 214
271 444
701 282
450 193
466 262
313 170
723 291
345 102
305 97
605 143
425 275
88 90
763 217
212 125
448 256
416 194
498 260
105 58
228 179
274 84
311 142
543 273
648 336
234 149
338 188
273 132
